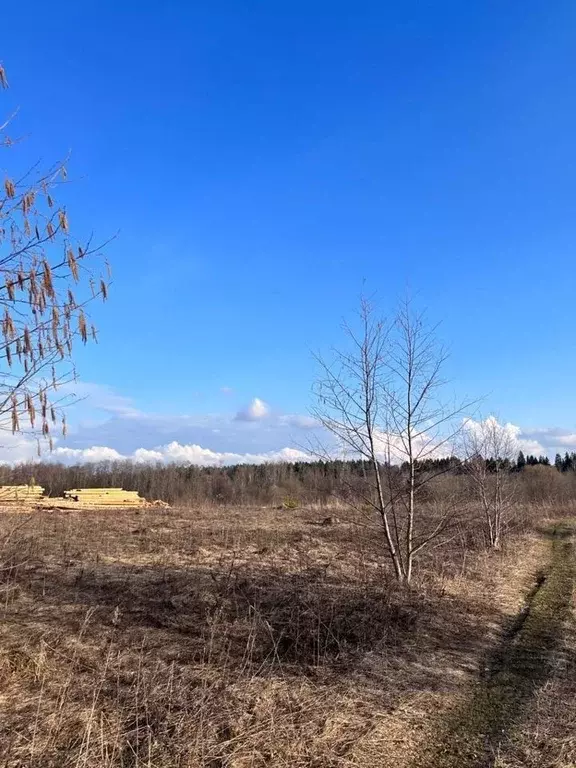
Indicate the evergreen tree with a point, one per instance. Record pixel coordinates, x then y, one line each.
558 462
520 461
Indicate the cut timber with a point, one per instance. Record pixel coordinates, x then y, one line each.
20 493
104 497
99 490
27 496
102 492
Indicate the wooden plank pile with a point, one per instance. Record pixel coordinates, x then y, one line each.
104 497
23 494
27 496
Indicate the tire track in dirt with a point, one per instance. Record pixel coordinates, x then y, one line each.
477 734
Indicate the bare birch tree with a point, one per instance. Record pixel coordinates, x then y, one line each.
351 397
45 285
421 424
381 402
489 449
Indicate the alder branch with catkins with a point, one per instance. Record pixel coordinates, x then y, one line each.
47 279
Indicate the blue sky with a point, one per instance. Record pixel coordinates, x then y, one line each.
261 160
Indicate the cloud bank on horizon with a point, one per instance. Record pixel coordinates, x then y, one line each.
254 434
176 453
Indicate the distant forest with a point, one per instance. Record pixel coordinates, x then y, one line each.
286 484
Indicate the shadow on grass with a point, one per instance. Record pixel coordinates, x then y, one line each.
246 616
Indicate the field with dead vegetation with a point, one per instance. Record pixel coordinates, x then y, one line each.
249 637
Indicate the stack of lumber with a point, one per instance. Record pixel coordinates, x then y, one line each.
104 497
20 493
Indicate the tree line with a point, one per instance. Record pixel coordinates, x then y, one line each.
282 482
566 463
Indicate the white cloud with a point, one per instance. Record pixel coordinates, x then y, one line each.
387 446
256 434
256 411
566 440
551 440
100 397
531 447
300 421
479 427
89 455
424 446
512 433
20 448
15 449
146 456
174 453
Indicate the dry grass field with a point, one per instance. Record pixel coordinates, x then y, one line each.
246 637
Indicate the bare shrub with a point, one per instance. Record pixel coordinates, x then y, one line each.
489 449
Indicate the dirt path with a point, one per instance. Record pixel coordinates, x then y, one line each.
479 734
